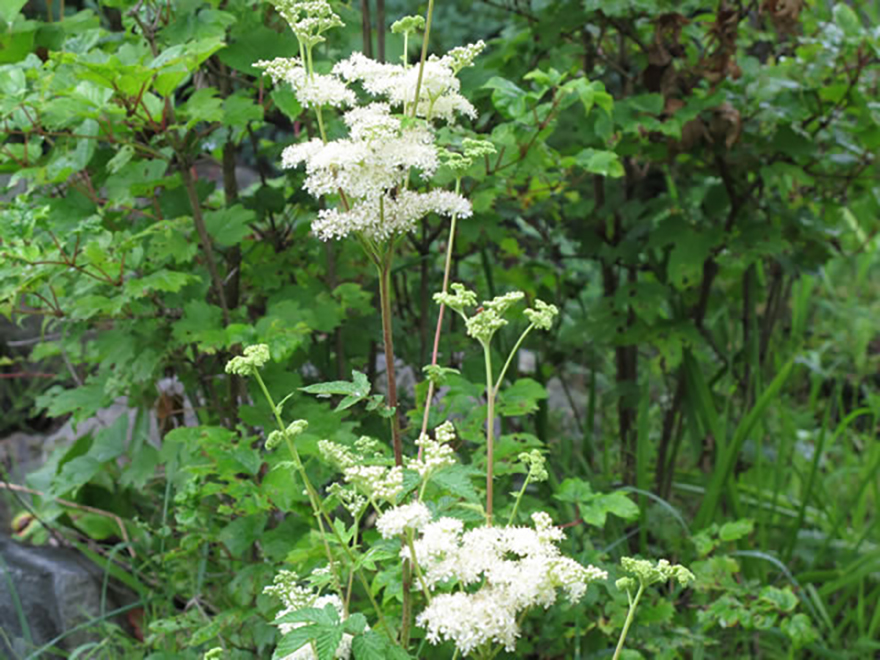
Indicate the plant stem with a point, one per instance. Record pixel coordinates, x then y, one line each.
519 498
315 501
384 269
510 357
204 239
424 57
439 329
321 130
490 431
629 619
415 564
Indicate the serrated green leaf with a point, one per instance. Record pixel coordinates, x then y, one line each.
370 646
287 102
326 616
293 642
521 398
458 480
161 280
241 533
355 624
356 390
327 641
781 599
595 507
9 10
239 110
229 226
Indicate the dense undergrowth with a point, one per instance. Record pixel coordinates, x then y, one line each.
670 210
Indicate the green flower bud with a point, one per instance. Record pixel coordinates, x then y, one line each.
458 301
649 573
408 25
437 374
474 148
296 428
274 439
543 314
245 365
536 464
626 584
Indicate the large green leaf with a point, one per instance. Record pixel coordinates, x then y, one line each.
353 392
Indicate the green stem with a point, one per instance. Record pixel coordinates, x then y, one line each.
629 619
321 129
490 432
315 501
384 269
415 564
519 498
447 267
424 57
511 356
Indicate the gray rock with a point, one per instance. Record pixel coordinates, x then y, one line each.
57 589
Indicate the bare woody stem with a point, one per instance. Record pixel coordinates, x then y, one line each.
205 240
383 265
384 268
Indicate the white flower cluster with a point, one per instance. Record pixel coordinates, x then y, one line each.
311 90
395 521
369 170
378 482
382 218
435 454
517 568
296 597
439 95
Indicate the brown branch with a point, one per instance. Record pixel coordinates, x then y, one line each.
75 505
204 239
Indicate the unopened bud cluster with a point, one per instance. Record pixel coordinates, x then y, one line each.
293 430
245 365
646 573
